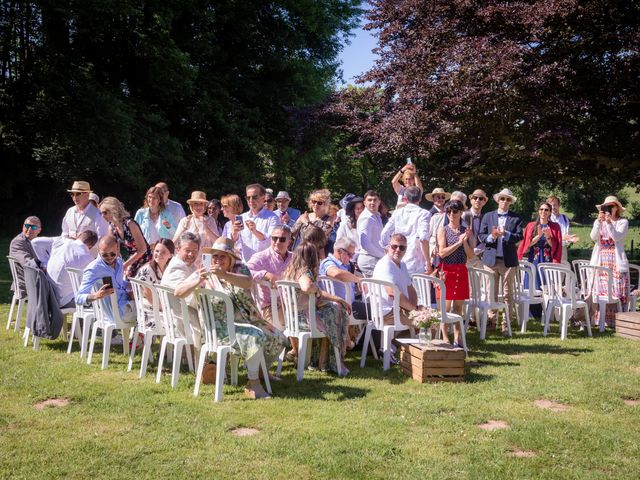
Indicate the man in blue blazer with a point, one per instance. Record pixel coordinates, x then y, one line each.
500 232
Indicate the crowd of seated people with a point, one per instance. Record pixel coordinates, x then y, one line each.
262 243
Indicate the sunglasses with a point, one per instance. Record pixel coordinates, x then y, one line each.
402 248
108 255
253 197
504 199
279 239
29 226
270 200
453 211
76 194
440 197
478 198
349 254
544 210
317 202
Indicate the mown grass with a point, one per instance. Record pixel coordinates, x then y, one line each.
368 425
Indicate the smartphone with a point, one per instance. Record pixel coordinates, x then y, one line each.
409 162
606 208
108 281
206 261
239 219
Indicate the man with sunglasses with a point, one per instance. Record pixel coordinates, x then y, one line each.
269 265
21 249
500 232
252 232
83 215
473 218
108 266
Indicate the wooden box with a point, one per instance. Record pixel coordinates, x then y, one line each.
437 362
628 325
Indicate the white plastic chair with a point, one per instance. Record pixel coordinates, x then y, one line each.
273 294
589 280
143 312
632 302
289 292
213 344
561 293
423 283
484 288
528 265
86 314
172 337
375 291
575 266
108 322
18 299
527 296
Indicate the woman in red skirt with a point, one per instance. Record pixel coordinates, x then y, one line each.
454 251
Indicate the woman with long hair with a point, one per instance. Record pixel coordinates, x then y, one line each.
155 220
162 252
318 215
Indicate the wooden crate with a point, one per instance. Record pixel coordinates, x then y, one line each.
438 362
628 325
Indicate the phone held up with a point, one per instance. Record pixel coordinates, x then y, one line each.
239 219
108 281
605 209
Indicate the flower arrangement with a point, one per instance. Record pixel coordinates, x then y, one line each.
425 318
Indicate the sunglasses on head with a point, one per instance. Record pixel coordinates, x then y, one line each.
402 248
108 255
30 226
317 202
279 239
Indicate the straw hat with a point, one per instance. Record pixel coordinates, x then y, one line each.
505 192
437 191
80 186
198 197
611 199
224 245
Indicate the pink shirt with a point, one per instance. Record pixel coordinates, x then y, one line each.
263 262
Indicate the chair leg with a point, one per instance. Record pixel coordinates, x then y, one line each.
508 320
189 358
163 350
483 323
265 375
336 352
365 344
564 321
125 341
387 336
587 321
203 356
603 314
72 334
16 327
302 354
146 353
280 360
464 336
548 315
36 343
94 334
87 322
523 312
25 336
106 345
177 355
221 361
133 348
233 369
14 300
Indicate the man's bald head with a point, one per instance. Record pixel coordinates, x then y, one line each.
107 241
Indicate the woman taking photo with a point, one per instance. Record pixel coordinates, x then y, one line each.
331 311
318 203
128 234
542 242
198 222
152 271
155 220
231 207
609 231
409 176
454 251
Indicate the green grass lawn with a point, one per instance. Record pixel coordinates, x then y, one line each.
368 425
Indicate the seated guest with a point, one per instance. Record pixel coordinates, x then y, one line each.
70 254
108 264
338 265
21 249
331 311
83 215
154 219
269 265
153 270
369 229
347 228
316 236
198 222
392 269
288 216
128 234
174 208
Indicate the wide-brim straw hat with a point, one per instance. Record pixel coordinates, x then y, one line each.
224 245
611 199
437 191
80 186
505 192
198 197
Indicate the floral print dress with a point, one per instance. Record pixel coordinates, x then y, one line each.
128 242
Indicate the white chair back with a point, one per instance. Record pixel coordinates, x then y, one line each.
590 278
142 310
173 317
575 266
206 299
75 275
106 310
560 283
288 292
483 285
14 276
422 284
376 292
273 294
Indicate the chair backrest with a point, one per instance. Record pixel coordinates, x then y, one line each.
14 276
590 278
142 309
525 273
206 299
288 292
561 282
106 308
273 293
422 283
174 312
483 285
375 291
328 284
575 265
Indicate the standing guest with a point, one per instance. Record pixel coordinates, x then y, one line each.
198 222
542 242
343 205
609 231
83 215
347 228
21 249
331 311
473 218
562 220
94 199
269 201
153 270
369 229
500 231
128 234
455 250
155 220
231 208
108 264
173 207
214 210
70 254
385 213
412 222
269 265
438 196
251 232
288 216
439 220
318 202
409 177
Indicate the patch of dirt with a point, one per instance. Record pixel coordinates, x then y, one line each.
632 402
516 355
518 453
553 406
492 425
635 369
52 402
244 431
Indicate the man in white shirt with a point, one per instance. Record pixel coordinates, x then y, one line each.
83 215
252 233
412 222
175 208
70 254
562 220
392 269
369 228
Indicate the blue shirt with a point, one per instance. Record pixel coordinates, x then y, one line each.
332 261
94 272
294 214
